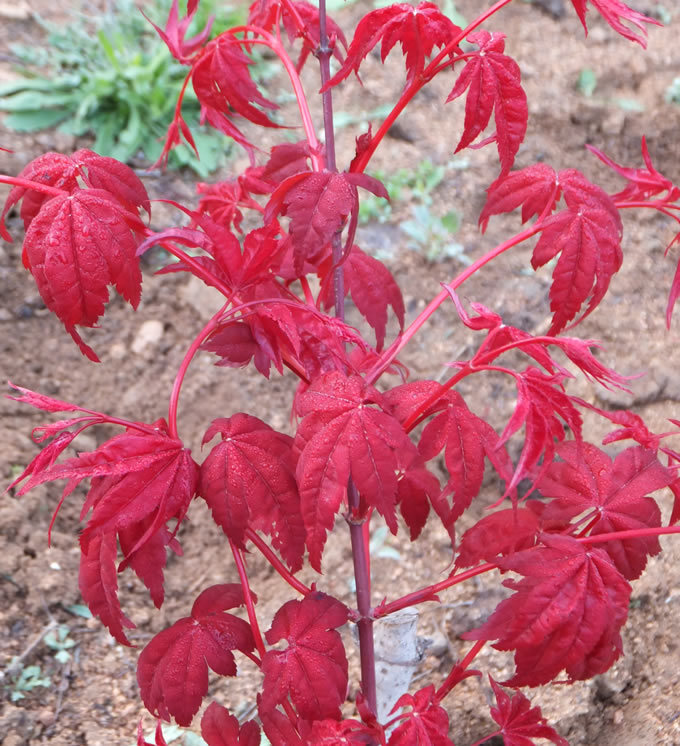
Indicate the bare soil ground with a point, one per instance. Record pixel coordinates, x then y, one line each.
93 698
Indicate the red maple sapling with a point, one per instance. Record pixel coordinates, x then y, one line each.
358 447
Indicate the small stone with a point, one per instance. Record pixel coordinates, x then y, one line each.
117 351
149 335
5 315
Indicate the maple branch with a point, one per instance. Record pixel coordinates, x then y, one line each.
429 593
247 598
188 357
390 354
426 76
276 563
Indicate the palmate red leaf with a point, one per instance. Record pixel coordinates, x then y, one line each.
140 481
248 481
613 494
312 670
565 613
542 406
372 287
586 234
75 247
172 670
467 440
318 203
277 727
417 489
501 533
520 722
223 86
345 431
615 12
427 724
219 728
419 30
493 80
62 172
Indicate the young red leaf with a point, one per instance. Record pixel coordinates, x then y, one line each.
501 533
221 79
345 431
372 288
331 732
312 670
172 671
419 30
417 489
248 481
643 183
565 614
318 203
159 740
520 722
75 247
98 583
175 30
427 724
219 728
613 494
615 12
493 80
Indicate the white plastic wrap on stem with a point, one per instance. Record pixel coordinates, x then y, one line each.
397 655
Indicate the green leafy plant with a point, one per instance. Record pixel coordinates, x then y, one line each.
431 235
112 77
27 679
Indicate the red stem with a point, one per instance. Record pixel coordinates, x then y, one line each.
428 593
360 549
248 599
276 563
389 355
188 357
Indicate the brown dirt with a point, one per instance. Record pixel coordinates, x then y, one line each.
93 698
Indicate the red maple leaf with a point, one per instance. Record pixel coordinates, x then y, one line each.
613 494
277 727
318 203
586 234
223 86
427 723
372 287
565 613
520 722
614 12
312 670
493 80
501 533
219 728
248 481
345 431
140 481
172 671
467 440
331 732
419 30
75 247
